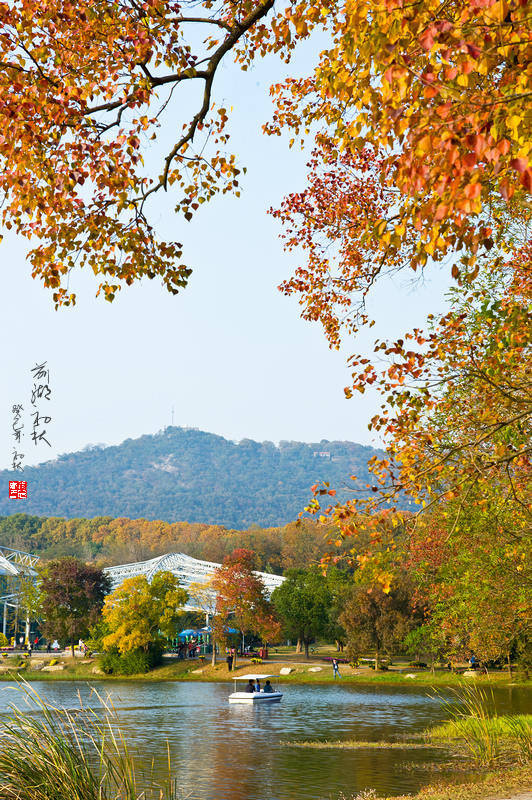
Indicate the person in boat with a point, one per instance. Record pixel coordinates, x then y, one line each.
268 687
250 687
257 685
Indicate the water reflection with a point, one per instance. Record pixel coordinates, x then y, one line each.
231 752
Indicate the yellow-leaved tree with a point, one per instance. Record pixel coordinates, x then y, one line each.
140 614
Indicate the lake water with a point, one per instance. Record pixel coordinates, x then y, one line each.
236 752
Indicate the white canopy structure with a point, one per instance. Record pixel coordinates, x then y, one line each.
15 564
189 570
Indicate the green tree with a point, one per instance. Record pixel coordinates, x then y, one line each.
339 582
71 596
303 603
473 563
140 615
428 640
378 620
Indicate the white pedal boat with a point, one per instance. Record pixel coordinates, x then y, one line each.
254 697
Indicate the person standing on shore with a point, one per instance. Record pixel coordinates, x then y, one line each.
229 660
336 671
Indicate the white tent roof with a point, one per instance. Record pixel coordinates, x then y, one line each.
187 569
16 562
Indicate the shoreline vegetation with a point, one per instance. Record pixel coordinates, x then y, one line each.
83 754
513 783
504 741
42 667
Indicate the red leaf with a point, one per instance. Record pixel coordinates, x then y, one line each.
526 179
473 50
520 164
426 41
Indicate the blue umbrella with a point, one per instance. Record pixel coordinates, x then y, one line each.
187 632
226 630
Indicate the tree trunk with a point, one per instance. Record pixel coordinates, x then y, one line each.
72 648
234 659
376 659
213 657
298 646
509 663
306 649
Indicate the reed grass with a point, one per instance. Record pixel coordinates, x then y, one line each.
485 735
520 730
51 753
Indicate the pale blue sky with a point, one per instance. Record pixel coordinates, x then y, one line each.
230 353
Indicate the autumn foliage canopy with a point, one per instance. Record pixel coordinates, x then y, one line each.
241 600
419 115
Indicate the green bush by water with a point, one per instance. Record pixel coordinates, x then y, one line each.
485 734
503 726
137 662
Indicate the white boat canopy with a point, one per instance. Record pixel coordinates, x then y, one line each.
252 676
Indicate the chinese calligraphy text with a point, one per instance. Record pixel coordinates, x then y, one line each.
40 392
17 427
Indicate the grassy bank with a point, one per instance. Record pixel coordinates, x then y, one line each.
505 783
488 739
496 740
505 727
302 673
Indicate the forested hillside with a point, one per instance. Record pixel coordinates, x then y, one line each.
114 541
187 474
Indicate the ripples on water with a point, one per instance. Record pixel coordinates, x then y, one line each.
235 752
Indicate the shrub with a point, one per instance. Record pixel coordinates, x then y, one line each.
136 662
53 662
3 640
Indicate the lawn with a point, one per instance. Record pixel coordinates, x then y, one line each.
302 672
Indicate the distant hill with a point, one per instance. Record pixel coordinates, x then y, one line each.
187 474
